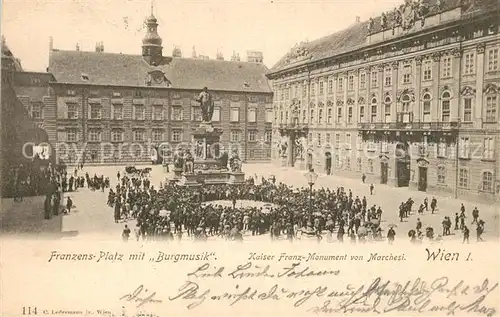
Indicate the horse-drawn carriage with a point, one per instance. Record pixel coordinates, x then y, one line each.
138 172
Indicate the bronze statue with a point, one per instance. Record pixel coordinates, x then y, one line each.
207 105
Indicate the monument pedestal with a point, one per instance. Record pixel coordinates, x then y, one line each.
236 178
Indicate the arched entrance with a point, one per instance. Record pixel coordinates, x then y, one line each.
384 169
328 163
422 174
403 160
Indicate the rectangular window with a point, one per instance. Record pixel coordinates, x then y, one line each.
445 110
427 69
313 89
491 109
384 148
72 111
442 146
339 114
330 86
387 113
216 115
235 136
252 136
370 166
94 135
138 94
329 115
196 113
252 115
464 147
36 111
349 115
176 135
269 115
469 64
337 140
407 74
304 116
138 112
71 135
138 135
374 79
348 141
463 178
340 84
441 175
374 114
321 88
488 182
446 67
268 136
251 153
157 135
235 115
359 163
467 110
350 84
117 112
362 81
489 148
71 92
387 77
312 116
319 139
328 138
361 114
95 112
176 113
493 59
304 90
157 113
116 135
320 116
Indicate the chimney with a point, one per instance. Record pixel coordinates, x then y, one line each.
51 44
235 57
176 52
77 47
193 54
358 19
97 47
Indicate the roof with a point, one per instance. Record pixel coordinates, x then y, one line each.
354 37
131 70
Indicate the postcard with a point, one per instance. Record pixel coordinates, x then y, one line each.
250 158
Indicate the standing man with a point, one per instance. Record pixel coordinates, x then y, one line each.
371 189
207 105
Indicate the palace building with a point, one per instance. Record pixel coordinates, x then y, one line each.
119 108
409 98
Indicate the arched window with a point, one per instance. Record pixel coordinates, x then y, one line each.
387 109
405 103
488 182
427 108
373 117
445 106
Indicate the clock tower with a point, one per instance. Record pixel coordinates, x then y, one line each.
151 43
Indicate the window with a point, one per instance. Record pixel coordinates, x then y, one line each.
445 107
235 136
321 88
442 146
157 113
312 116
337 140
94 135
287 93
427 108
329 115
71 92
349 114
176 113
405 102
251 153
116 135
387 109
441 175
469 67
374 79
138 94
467 109
72 111
464 147
196 112
373 117
348 141
427 69
304 116
491 109
268 136
318 139
304 90
348 163
384 148
281 116
340 84
370 166
407 74
216 114
95 112
157 135
252 136
36 111
313 89
488 182
117 112
320 115
269 115
362 81
138 135
463 178
339 114
138 112
310 138
446 67
71 135
493 59
330 85
359 163
328 138
361 114
489 148
235 115
387 77
350 84
176 135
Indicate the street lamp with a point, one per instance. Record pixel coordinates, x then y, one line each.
311 179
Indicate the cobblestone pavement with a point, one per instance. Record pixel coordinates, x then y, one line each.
93 219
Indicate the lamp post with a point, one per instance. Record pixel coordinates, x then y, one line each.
311 179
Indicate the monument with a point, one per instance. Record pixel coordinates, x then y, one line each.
204 162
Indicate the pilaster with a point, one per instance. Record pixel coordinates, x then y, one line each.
479 82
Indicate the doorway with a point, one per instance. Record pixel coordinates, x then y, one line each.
422 178
403 160
328 163
384 170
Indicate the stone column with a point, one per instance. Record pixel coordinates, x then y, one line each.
417 111
395 83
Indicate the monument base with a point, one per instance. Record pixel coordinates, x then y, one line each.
236 178
206 177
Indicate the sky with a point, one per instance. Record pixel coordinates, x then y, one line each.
272 27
